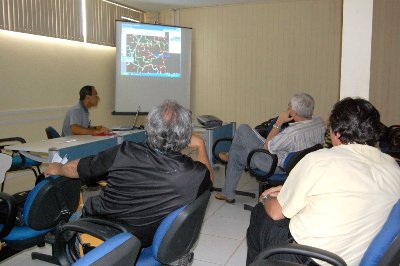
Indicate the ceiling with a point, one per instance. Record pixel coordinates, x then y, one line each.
158 5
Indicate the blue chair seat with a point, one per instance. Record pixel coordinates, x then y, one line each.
18 161
21 233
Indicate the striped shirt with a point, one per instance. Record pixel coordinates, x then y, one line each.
297 136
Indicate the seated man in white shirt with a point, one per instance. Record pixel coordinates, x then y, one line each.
336 199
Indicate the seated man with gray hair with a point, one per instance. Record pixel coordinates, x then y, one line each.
304 131
145 182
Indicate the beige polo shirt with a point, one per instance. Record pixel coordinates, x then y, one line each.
339 198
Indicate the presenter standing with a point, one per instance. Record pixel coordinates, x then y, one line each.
76 121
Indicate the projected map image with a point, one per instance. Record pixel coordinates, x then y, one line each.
151 53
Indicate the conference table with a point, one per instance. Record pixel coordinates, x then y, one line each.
79 146
75 147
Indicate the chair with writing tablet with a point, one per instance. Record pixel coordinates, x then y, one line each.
19 161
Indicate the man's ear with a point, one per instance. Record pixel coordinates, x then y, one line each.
335 137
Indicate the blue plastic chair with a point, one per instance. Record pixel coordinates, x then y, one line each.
49 202
176 235
385 248
270 178
173 241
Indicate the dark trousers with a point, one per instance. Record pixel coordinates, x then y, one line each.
264 232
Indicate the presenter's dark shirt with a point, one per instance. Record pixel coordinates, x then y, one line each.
143 185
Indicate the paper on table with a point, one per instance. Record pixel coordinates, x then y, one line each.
57 159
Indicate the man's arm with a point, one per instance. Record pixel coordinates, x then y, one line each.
271 204
69 169
283 118
197 142
79 130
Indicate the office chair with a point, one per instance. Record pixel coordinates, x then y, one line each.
52 133
384 249
50 202
270 178
172 242
223 145
176 235
19 161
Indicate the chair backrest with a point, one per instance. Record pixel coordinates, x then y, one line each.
52 133
294 157
50 200
385 247
121 249
180 230
5 164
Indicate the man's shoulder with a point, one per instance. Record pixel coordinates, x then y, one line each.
314 125
316 121
134 146
75 108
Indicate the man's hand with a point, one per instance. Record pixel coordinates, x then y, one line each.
283 118
68 170
271 192
53 169
271 204
100 130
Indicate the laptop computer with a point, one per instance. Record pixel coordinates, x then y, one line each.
128 127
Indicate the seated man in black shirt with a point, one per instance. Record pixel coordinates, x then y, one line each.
145 182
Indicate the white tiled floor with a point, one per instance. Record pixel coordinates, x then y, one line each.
222 239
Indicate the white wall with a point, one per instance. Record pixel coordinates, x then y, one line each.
356 48
41 77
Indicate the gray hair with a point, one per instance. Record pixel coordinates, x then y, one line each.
169 127
303 104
